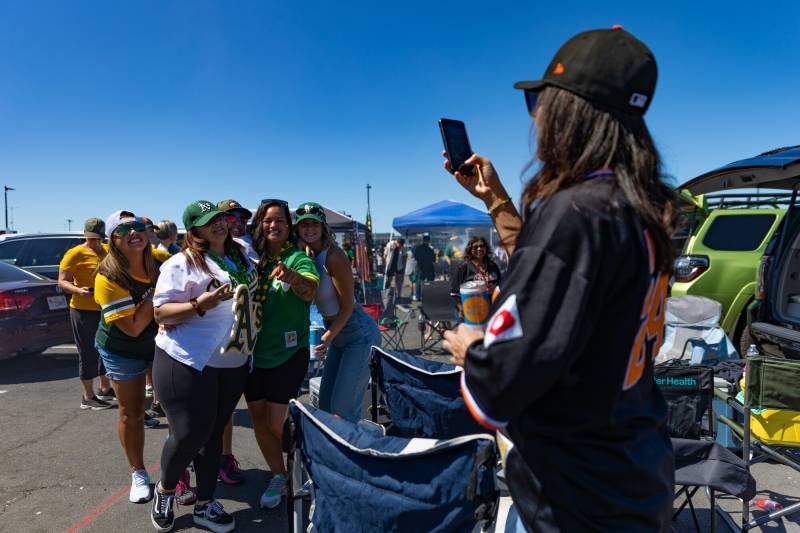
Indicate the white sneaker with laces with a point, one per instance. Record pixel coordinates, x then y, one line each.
141 487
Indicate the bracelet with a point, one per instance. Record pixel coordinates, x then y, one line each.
196 306
498 204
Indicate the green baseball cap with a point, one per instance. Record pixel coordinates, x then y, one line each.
310 210
94 228
199 213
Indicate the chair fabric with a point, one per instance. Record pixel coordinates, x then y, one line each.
687 392
363 480
772 383
423 397
437 304
706 463
692 331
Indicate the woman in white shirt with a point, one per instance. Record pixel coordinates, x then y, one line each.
203 298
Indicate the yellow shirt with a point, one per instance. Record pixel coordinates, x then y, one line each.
115 301
160 255
81 262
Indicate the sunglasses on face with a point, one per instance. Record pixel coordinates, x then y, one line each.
479 247
530 101
124 229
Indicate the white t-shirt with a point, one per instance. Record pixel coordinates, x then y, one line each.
226 335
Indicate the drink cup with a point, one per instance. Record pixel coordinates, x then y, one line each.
475 303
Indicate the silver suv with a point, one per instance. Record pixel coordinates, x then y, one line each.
38 252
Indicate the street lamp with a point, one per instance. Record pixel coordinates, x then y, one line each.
6 188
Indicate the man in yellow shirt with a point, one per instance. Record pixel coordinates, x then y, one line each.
76 277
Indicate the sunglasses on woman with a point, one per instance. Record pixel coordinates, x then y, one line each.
530 101
124 229
310 210
275 201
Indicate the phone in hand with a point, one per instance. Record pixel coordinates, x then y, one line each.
456 144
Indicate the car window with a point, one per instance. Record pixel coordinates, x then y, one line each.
11 273
43 252
738 233
10 251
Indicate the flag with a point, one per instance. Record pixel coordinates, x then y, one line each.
369 221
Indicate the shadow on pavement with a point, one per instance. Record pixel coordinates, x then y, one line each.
37 368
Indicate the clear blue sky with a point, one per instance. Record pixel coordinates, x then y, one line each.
150 105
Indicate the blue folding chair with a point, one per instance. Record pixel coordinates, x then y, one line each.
364 480
422 397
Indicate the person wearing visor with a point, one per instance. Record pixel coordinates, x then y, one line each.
125 339
565 364
204 300
349 332
287 283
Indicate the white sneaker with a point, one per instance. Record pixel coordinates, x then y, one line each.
275 491
141 487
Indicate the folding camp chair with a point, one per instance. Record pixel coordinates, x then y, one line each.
437 313
699 461
363 480
422 397
771 426
692 332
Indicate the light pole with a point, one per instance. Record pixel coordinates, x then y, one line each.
6 188
69 224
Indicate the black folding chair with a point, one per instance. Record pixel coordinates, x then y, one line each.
437 313
699 461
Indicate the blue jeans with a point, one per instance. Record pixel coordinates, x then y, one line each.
346 373
420 278
120 368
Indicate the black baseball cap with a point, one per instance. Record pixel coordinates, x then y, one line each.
607 67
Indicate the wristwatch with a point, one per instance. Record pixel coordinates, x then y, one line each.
196 306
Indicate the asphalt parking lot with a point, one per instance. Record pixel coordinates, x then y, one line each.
62 469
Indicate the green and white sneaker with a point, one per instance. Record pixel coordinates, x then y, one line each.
275 491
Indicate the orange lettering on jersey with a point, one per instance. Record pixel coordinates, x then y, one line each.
651 326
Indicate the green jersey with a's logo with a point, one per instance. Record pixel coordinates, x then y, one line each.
284 316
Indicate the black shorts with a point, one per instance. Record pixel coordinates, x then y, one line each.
279 384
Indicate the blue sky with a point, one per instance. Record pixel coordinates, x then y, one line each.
151 105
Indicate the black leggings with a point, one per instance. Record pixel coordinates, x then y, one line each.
198 406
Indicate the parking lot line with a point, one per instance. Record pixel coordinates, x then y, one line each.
108 502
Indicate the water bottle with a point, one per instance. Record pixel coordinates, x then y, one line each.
767 505
752 351
314 338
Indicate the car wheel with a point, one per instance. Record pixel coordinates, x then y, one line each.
742 339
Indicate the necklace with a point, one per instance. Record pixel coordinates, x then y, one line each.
239 275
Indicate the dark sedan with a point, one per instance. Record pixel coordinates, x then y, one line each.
33 312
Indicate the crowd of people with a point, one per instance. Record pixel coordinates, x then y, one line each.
225 315
564 366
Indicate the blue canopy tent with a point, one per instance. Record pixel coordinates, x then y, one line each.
444 216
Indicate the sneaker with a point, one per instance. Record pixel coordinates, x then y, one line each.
148 391
184 494
229 471
157 410
95 404
150 422
275 491
141 488
213 517
106 394
162 514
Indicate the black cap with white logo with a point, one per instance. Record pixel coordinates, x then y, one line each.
608 67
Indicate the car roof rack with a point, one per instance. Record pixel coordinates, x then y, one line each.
748 200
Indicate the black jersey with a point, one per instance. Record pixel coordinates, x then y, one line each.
566 367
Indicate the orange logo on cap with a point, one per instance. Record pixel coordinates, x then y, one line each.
559 69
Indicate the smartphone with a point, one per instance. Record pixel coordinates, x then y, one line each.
456 144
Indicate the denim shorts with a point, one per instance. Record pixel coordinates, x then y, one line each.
120 368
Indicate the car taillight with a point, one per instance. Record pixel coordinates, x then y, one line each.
761 290
688 267
12 302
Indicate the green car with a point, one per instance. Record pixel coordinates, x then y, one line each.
722 239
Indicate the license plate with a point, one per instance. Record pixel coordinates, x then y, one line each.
56 302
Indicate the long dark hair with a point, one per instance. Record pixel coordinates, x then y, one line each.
468 255
575 137
195 248
260 239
